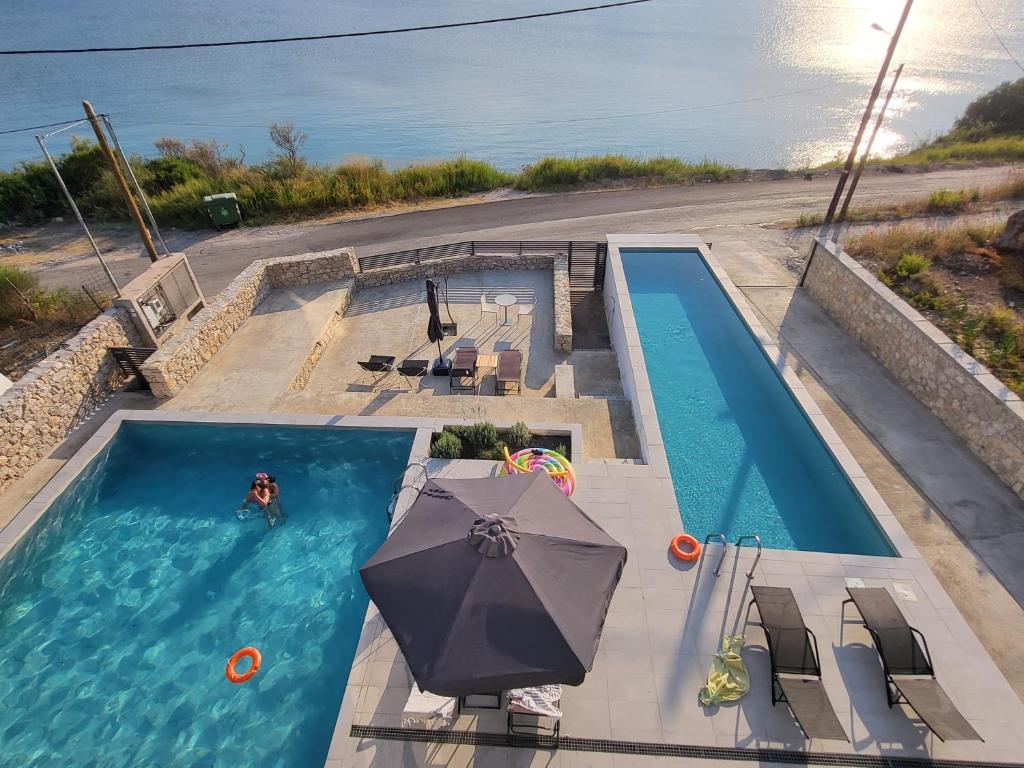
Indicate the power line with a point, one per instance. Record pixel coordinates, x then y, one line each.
336 36
39 127
990 26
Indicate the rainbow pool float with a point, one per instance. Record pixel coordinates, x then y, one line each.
542 460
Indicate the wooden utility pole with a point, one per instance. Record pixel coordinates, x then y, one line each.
115 167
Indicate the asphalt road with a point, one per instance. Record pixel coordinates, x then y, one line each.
217 258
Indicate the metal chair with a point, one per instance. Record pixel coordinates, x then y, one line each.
413 369
379 366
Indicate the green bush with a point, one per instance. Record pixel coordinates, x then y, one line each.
553 173
1001 110
911 264
562 449
447 446
165 173
519 436
495 453
477 439
949 201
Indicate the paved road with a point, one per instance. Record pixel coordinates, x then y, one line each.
218 258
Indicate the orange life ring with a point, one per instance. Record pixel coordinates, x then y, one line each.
686 555
245 653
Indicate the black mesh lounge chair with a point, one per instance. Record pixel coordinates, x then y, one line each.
509 375
907 666
413 369
379 366
463 377
796 673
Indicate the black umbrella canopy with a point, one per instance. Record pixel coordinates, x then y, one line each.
434 330
495 583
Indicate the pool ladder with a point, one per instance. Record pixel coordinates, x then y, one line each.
720 537
398 486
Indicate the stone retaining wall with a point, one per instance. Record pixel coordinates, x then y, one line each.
559 265
179 360
301 378
969 400
37 413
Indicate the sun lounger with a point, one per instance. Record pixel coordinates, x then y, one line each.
463 376
796 672
428 710
527 708
509 375
378 365
907 665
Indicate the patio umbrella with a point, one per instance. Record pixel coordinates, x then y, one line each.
495 583
435 332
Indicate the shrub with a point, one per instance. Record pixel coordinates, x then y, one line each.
447 446
1001 319
1001 110
477 439
166 172
14 283
552 173
495 453
519 436
562 449
911 264
949 201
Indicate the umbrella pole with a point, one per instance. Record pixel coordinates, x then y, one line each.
441 367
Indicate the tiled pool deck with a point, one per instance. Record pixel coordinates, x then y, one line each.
667 619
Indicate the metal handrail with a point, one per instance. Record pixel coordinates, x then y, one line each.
707 540
757 539
398 486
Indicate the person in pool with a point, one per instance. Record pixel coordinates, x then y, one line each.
259 494
274 513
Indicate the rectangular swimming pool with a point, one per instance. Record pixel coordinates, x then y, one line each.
743 456
121 606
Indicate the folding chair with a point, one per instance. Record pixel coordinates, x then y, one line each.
379 366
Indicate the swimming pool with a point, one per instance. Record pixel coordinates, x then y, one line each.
121 606
742 454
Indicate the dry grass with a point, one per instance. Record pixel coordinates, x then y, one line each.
956 276
941 202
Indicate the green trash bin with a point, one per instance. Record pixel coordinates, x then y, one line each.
223 209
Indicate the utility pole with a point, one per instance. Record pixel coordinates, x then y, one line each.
848 165
133 208
78 214
867 149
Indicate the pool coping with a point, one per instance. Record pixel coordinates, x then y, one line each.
637 386
423 428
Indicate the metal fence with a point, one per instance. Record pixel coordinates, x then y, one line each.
587 258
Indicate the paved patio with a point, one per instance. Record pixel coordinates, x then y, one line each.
256 370
664 626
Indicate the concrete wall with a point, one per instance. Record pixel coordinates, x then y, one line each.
975 405
179 360
37 413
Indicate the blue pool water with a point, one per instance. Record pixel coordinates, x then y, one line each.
744 458
120 608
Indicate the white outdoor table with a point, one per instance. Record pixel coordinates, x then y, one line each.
505 300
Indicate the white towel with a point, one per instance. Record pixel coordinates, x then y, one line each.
428 710
536 701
